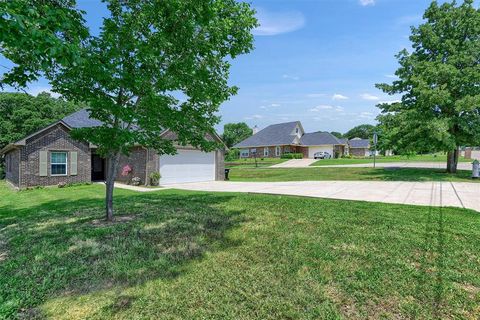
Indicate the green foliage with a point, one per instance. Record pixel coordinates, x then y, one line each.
292 156
440 83
23 114
39 36
232 154
234 133
363 131
337 134
154 178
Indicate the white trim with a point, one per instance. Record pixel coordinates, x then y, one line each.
57 163
278 151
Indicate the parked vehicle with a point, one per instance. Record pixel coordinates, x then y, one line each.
322 155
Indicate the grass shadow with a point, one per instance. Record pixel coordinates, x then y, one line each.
54 249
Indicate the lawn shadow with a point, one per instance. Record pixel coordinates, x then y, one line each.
430 284
54 249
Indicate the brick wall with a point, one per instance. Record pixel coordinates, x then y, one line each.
12 165
358 152
137 160
271 151
56 138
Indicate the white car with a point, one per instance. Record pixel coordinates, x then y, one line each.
322 155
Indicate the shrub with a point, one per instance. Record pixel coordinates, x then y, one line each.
232 154
154 178
292 156
136 181
126 170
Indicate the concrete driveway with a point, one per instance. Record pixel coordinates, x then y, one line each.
456 194
296 163
305 163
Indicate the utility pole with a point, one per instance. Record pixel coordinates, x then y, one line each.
375 140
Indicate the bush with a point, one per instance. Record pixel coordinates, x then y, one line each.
292 156
154 178
232 155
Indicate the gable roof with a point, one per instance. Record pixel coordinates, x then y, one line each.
359 143
273 135
81 119
318 138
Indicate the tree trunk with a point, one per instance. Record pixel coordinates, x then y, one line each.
112 168
452 161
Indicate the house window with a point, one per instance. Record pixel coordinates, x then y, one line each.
244 153
265 152
58 163
277 151
253 151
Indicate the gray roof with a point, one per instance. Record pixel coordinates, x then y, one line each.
274 135
318 138
343 140
359 143
81 119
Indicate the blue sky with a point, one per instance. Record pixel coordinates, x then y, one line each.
316 61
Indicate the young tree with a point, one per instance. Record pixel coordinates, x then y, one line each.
37 36
364 131
234 133
156 64
440 82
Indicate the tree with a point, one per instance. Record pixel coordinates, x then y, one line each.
234 133
38 36
154 65
364 131
337 134
23 114
439 82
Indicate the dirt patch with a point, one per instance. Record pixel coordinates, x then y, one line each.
116 220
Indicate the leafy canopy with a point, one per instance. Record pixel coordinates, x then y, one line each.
439 82
156 65
23 114
37 36
234 133
364 131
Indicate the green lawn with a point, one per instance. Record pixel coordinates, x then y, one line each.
347 174
382 159
250 163
185 255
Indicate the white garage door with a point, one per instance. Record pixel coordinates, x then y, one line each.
313 150
187 166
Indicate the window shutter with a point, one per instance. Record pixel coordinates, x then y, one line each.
73 163
43 164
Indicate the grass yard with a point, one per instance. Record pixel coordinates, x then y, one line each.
186 255
250 163
382 159
347 174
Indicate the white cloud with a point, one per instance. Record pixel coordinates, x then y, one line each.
316 95
255 116
321 107
275 105
367 2
391 76
369 97
337 96
366 115
272 105
339 109
273 23
286 76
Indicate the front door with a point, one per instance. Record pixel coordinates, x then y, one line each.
98 168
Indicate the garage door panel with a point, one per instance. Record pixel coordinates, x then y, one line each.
313 150
187 166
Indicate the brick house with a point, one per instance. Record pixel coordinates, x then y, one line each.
51 156
278 139
360 147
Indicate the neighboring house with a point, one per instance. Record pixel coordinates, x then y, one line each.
360 147
50 156
290 137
